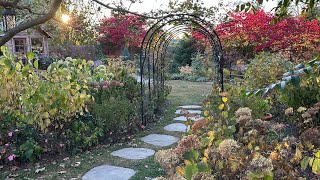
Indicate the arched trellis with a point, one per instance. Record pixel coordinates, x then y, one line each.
153 51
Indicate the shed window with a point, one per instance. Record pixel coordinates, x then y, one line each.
20 45
37 45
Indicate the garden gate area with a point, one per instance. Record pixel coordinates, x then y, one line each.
153 51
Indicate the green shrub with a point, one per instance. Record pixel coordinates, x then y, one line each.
197 64
264 69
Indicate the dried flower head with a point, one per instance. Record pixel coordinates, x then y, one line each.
176 177
301 109
167 158
259 125
198 125
243 120
278 127
243 112
188 143
311 135
203 176
228 147
159 178
260 163
289 111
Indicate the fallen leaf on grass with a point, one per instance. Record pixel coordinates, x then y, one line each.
76 164
67 158
62 165
40 170
14 168
62 172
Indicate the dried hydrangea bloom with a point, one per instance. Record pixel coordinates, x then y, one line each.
259 125
198 125
306 115
188 143
278 127
289 111
159 178
260 163
203 176
176 177
301 109
243 120
243 112
167 158
228 147
311 135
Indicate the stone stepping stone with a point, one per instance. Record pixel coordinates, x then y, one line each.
133 153
160 139
180 111
179 127
183 118
107 172
190 107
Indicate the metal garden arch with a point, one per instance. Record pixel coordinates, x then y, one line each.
153 51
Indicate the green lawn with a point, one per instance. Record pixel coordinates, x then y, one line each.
75 166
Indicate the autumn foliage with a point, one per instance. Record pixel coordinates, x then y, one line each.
121 31
249 33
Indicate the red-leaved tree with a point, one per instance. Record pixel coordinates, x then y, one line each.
119 32
248 33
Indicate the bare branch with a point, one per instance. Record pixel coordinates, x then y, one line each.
34 22
118 9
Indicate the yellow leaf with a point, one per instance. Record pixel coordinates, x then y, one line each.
317 154
206 113
180 170
206 153
250 147
224 99
204 159
221 106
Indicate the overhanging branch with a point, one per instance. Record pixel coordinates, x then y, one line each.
124 10
34 22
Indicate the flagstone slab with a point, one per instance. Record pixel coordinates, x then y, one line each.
107 172
183 118
190 107
180 111
133 153
179 127
159 139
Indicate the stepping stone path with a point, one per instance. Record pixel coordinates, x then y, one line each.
160 139
180 111
190 107
183 118
133 153
179 127
108 172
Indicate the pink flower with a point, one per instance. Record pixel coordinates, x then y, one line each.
7 144
142 126
11 157
46 140
10 134
3 151
110 133
60 145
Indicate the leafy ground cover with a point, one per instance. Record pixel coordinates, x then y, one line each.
74 166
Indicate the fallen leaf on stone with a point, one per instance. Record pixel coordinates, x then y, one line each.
62 165
146 166
67 158
40 170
